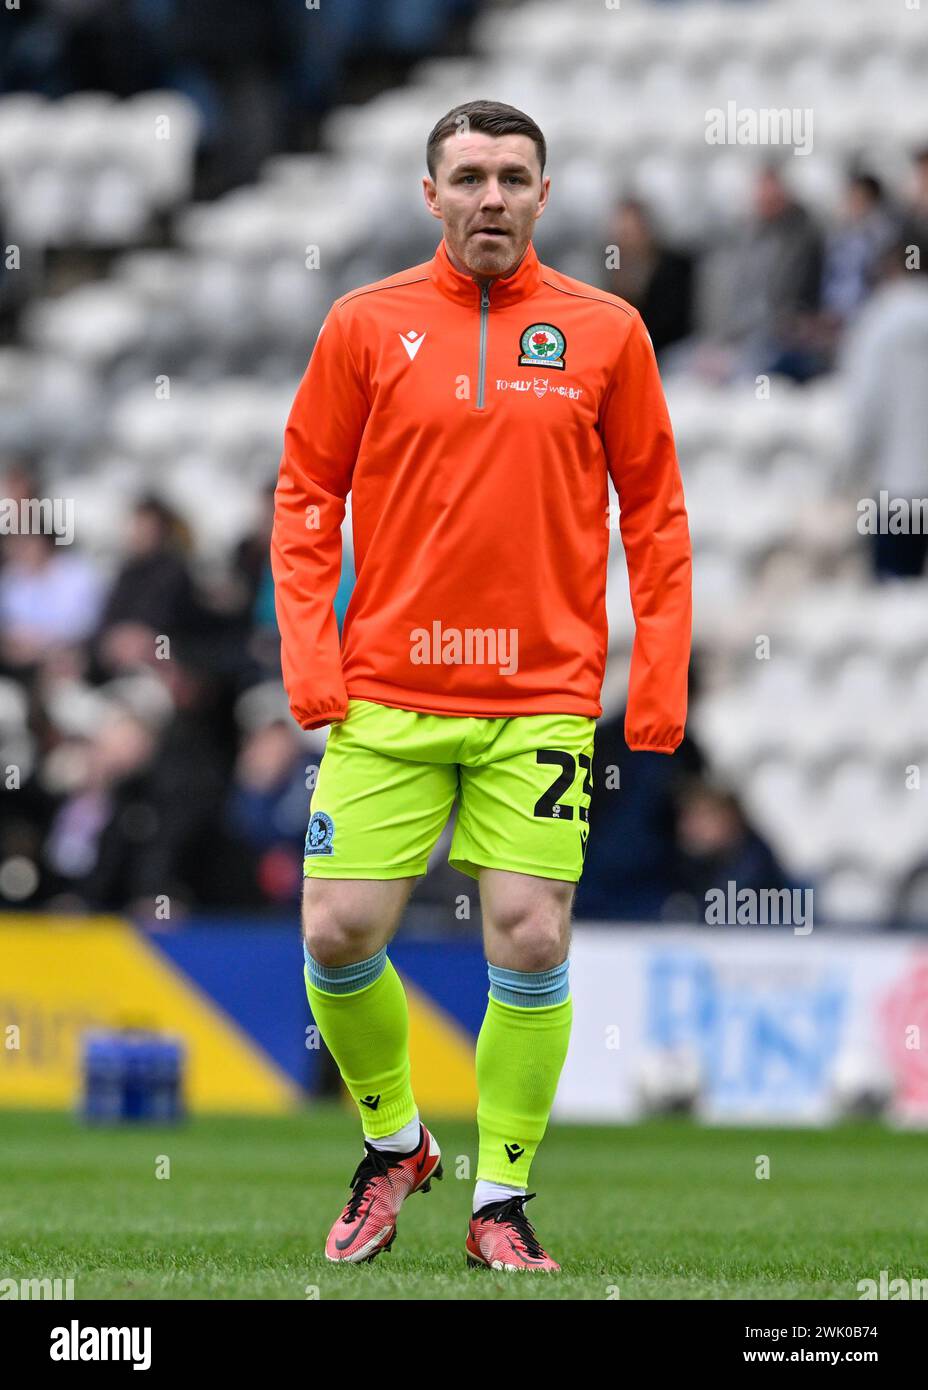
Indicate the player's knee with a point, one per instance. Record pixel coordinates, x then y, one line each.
330 942
332 938
537 938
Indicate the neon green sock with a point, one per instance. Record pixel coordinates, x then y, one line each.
520 1053
367 1032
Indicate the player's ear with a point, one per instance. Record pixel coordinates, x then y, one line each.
543 197
430 194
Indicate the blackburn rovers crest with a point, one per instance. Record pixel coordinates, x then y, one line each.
542 345
320 834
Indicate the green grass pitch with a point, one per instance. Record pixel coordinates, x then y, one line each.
663 1210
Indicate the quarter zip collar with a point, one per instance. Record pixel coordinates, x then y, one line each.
461 287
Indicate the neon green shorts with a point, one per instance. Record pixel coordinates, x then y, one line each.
389 778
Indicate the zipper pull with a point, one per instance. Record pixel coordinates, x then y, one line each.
484 296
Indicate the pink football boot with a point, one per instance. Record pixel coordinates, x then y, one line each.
502 1237
381 1184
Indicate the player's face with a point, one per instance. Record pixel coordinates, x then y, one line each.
488 192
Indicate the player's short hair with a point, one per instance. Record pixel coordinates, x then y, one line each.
492 117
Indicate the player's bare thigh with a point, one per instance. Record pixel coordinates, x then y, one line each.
349 919
526 920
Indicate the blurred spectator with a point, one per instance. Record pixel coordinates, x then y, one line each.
629 851
768 287
269 806
885 368
715 845
853 249
19 484
105 770
145 824
915 228
50 597
252 554
253 586
10 284
656 280
152 594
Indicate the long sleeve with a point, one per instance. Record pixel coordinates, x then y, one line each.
321 442
637 437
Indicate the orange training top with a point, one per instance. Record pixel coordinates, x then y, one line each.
475 429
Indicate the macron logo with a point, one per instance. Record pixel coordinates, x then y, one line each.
412 341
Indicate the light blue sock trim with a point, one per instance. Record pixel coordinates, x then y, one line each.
529 989
345 979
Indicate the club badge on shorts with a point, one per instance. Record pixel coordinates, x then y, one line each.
319 835
542 345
